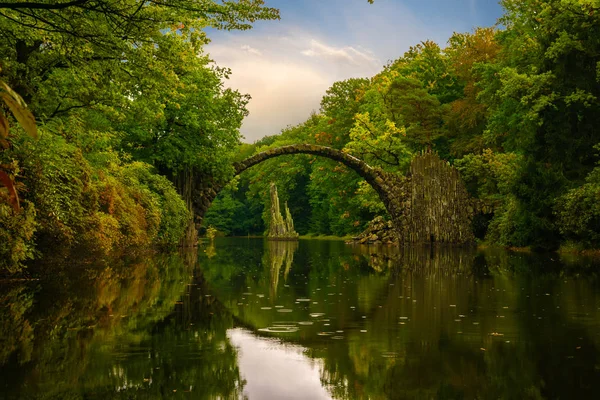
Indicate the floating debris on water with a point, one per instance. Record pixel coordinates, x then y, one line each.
280 329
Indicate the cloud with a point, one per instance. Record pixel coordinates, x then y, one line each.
346 54
287 66
285 83
282 94
251 50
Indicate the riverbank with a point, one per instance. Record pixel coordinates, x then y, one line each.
325 237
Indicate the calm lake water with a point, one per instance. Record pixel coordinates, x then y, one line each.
247 318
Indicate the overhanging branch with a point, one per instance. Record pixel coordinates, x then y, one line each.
43 6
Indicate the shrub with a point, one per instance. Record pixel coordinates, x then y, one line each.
104 204
578 212
16 232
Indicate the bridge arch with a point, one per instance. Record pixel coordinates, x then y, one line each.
370 174
377 178
429 205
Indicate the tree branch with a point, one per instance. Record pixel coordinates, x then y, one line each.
43 6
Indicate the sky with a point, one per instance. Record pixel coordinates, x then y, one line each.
287 65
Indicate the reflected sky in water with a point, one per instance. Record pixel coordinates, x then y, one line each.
274 370
248 318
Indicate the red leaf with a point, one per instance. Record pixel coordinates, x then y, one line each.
13 197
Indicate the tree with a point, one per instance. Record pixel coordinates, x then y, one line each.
339 105
104 41
467 116
542 94
419 111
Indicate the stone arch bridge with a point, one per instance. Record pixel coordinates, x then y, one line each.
430 204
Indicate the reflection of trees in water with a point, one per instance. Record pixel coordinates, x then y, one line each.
434 356
62 335
428 357
16 330
211 250
278 254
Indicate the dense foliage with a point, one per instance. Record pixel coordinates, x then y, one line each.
126 104
133 120
515 108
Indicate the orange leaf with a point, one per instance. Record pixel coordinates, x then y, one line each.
13 197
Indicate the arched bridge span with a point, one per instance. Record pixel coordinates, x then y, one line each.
430 204
367 172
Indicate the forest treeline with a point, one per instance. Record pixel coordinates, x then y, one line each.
132 116
514 107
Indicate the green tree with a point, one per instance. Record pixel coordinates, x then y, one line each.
467 117
542 94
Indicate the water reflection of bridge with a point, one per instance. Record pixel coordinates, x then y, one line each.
435 321
438 260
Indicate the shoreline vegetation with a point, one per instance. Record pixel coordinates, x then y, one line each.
514 108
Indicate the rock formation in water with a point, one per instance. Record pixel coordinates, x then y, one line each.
280 228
